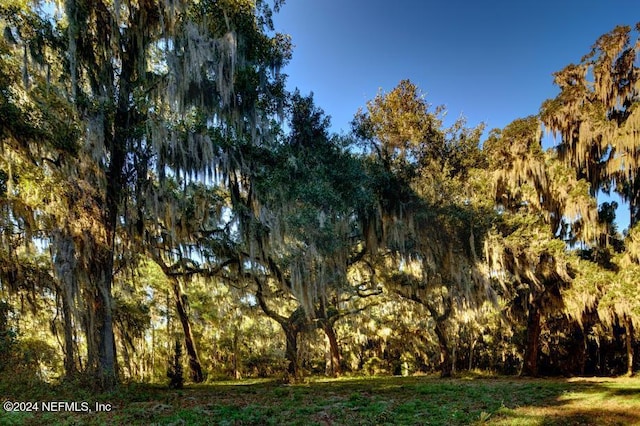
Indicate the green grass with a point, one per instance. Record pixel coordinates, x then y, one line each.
351 401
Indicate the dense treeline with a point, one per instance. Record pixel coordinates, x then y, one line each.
162 194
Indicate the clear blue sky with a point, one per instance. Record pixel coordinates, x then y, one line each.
489 60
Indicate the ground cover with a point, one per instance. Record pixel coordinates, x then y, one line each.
349 401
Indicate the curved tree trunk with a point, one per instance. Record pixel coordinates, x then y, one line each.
334 350
194 361
446 364
292 326
325 321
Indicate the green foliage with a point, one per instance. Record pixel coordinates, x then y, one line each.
401 127
7 337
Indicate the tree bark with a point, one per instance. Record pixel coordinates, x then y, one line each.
634 200
194 361
530 367
65 270
629 343
236 355
292 326
334 350
472 347
291 351
446 365
69 356
105 368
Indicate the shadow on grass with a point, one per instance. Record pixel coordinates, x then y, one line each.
354 401
592 417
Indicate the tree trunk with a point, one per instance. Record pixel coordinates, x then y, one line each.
194 361
472 348
634 207
105 362
69 356
127 356
236 355
530 367
334 350
454 357
629 343
291 352
292 326
115 82
153 351
65 270
583 352
446 366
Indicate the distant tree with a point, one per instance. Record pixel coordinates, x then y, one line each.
7 337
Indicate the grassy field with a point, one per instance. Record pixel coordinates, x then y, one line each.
352 401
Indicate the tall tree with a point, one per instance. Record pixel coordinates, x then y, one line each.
426 217
596 115
542 204
38 129
158 88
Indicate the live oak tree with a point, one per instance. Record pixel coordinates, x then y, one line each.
425 216
38 129
303 232
542 205
184 233
596 115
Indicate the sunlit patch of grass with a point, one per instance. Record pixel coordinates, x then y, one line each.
584 401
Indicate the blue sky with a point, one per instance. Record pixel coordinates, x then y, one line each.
489 60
